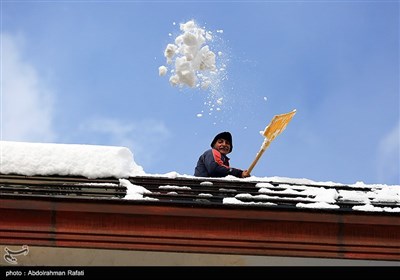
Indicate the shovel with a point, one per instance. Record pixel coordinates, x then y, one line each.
275 127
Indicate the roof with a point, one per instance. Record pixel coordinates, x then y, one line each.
201 215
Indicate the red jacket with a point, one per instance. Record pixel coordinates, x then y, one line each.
214 164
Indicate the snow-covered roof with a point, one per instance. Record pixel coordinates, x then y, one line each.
100 162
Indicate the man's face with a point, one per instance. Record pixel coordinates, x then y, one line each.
223 146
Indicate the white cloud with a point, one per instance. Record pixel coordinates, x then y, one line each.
26 101
145 138
389 156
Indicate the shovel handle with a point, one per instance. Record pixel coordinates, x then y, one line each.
258 156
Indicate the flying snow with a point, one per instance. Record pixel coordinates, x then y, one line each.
192 62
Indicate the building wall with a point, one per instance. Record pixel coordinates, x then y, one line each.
57 256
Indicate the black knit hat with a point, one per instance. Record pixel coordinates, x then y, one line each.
223 135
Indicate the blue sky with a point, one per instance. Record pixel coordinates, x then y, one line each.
86 72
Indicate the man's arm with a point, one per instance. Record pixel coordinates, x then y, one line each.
216 167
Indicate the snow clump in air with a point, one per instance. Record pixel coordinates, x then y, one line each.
191 58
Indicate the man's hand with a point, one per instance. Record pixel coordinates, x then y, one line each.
245 174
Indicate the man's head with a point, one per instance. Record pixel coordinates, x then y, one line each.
223 142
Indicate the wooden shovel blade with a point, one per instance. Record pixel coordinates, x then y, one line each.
278 124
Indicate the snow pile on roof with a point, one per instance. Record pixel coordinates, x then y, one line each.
192 58
134 192
90 161
323 198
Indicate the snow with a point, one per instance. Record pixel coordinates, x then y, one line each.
192 58
192 63
134 192
93 161
90 161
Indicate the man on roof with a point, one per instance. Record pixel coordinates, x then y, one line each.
215 163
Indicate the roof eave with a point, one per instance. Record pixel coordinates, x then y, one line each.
130 225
